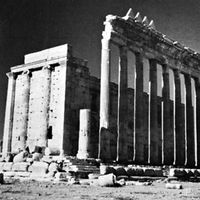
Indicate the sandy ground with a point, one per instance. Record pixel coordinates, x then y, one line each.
25 190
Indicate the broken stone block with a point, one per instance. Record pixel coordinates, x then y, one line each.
20 157
20 166
148 172
107 180
38 168
107 170
53 167
173 186
7 166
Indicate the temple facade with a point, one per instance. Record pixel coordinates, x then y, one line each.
156 122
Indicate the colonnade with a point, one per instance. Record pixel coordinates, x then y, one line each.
27 106
173 124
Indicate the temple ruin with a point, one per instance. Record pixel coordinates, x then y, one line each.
156 122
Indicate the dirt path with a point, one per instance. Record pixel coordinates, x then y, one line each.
55 191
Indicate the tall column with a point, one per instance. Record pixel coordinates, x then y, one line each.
179 122
190 159
168 132
104 135
8 123
155 138
44 109
197 87
84 146
139 137
122 154
20 114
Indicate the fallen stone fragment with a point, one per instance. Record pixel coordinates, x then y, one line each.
173 186
121 182
74 180
37 156
20 157
93 176
107 170
107 180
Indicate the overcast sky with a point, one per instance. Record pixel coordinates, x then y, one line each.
31 25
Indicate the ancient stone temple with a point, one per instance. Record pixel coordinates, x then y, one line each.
54 102
166 112
43 101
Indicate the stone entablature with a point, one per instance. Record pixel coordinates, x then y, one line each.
143 38
165 106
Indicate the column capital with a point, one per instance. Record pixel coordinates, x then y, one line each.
165 68
11 75
27 72
46 67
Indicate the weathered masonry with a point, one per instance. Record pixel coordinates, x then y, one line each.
166 97
43 101
156 121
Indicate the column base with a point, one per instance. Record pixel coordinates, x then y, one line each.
82 155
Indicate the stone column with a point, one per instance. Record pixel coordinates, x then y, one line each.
179 122
190 159
122 114
44 109
168 132
197 87
104 135
155 138
20 115
139 137
84 134
8 123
